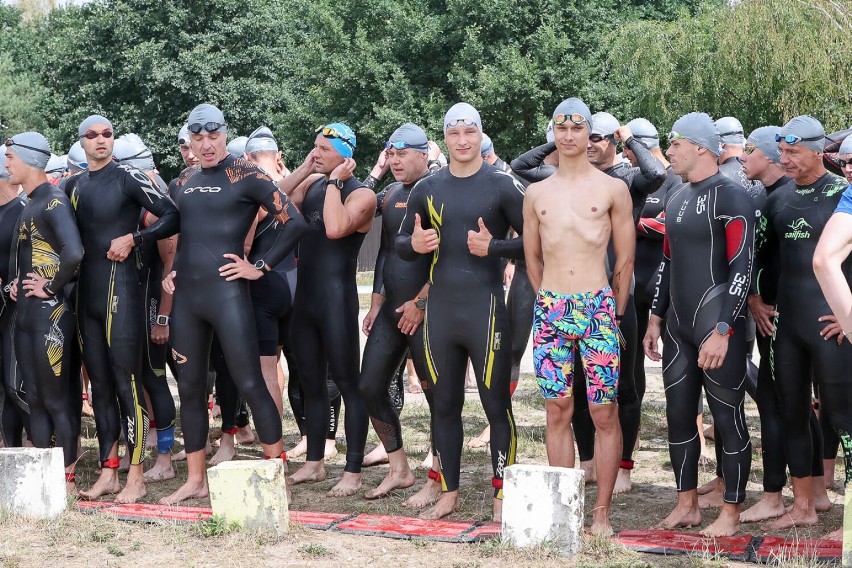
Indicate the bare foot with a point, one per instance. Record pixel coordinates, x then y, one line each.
107 484
187 491
311 472
181 455
682 516
591 472
87 408
427 461
392 481
132 492
711 485
497 511
482 440
330 449
601 527
822 503
713 499
124 462
430 491
376 457
796 517
226 451
299 449
622 483
447 504
414 385
835 535
350 484
245 436
725 525
161 471
770 506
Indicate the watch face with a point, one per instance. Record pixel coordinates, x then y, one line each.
722 328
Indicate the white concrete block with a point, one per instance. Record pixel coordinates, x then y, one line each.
544 504
251 493
32 482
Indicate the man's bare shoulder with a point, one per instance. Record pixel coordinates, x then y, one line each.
612 184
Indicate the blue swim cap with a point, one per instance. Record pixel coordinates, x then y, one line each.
342 138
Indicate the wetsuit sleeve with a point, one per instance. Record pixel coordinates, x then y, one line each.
737 211
653 227
290 225
660 303
530 165
651 170
140 189
378 271
767 252
402 240
512 200
59 217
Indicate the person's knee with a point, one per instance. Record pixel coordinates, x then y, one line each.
559 412
605 417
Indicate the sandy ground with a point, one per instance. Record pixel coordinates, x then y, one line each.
87 540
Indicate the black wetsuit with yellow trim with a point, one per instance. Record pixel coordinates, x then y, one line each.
110 301
325 327
466 316
218 206
14 413
49 245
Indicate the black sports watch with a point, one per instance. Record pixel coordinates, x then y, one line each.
723 329
137 238
420 303
262 266
338 183
162 320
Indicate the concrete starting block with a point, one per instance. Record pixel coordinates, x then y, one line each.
251 493
32 482
543 504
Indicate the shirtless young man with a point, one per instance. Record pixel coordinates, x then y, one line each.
575 304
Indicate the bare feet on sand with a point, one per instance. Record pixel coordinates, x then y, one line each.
189 490
107 484
427 495
835 535
622 482
181 455
711 485
601 526
330 449
350 484
714 498
482 440
245 436
161 470
134 489
728 523
378 456
447 504
311 472
770 506
226 452
683 515
393 480
797 516
591 472
299 449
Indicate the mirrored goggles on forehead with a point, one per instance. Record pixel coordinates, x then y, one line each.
91 134
793 139
600 137
399 145
9 142
333 133
676 136
197 127
452 123
563 118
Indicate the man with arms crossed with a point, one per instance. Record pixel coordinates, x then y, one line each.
581 205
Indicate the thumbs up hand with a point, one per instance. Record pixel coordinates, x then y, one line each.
423 240
478 241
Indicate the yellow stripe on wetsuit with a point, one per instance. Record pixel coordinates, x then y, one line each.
436 220
430 363
139 428
489 353
109 307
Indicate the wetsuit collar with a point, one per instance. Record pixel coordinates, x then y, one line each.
40 189
107 168
473 175
819 180
226 161
783 180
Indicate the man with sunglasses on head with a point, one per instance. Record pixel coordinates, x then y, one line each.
46 257
107 198
701 289
450 218
339 211
807 345
844 158
218 203
576 307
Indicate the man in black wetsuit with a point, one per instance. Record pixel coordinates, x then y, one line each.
701 289
399 299
218 204
48 254
339 211
451 217
13 408
107 199
804 327
730 159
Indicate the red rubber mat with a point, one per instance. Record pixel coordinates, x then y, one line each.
321 521
483 532
671 542
774 548
406 527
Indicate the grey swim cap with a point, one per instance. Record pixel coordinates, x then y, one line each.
32 148
237 146
763 139
604 124
91 121
698 128
412 135
809 130
462 111
574 106
4 173
846 147
55 166
261 140
486 147
730 130
129 149
548 132
183 135
644 132
207 113
77 160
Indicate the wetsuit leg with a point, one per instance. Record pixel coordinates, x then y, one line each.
296 396
104 401
836 390
383 354
227 394
643 311
771 426
396 389
13 416
309 348
519 304
629 402
192 339
157 387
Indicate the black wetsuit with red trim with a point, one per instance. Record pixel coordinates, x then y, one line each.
218 206
49 245
14 413
110 302
703 280
325 327
796 216
466 317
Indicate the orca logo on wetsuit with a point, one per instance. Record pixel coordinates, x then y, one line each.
206 189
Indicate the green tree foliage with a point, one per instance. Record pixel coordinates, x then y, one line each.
763 61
